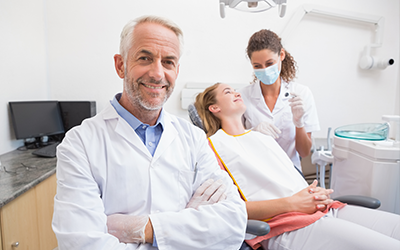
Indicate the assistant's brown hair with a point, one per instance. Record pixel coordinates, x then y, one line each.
266 39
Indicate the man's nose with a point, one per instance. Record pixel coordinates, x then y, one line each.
156 71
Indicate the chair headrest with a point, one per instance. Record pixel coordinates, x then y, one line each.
194 116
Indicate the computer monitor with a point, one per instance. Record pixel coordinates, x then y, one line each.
74 112
35 119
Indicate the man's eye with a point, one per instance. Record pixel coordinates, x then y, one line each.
169 64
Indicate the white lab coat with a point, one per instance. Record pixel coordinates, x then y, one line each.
104 168
281 116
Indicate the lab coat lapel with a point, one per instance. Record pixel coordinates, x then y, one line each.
257 95
279 105
122 128
168 136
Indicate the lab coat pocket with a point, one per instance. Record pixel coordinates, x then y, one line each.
186 180
285 119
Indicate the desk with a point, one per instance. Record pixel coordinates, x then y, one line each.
27 193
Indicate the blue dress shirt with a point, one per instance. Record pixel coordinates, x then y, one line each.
150 135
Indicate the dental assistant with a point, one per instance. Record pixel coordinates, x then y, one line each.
135 176
276 105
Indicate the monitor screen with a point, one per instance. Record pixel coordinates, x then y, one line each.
32 119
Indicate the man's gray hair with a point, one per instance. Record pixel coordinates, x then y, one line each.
127 32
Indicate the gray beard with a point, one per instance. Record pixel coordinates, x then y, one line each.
132 89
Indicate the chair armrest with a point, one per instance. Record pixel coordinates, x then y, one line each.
360 200
257 227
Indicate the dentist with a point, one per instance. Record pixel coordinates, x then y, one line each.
135 176
276 105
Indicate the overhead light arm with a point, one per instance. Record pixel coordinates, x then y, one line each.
253 6
366 61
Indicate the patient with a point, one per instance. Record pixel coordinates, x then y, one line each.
301 216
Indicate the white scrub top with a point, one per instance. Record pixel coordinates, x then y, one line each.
281 116
104 168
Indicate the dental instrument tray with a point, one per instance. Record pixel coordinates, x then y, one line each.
364 131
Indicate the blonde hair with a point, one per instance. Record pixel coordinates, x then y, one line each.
203 101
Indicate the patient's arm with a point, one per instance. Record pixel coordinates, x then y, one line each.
308 200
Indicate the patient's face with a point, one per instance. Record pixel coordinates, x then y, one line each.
228 100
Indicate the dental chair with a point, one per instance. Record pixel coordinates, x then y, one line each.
259 228
356 200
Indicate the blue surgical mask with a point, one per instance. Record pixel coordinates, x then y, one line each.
268 75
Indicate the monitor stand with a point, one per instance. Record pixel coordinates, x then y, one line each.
42 141
33 143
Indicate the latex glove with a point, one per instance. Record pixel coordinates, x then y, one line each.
297 105
128 228
208 193
268 129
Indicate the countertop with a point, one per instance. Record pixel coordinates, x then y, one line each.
23 172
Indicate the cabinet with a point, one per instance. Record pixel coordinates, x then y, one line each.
27 219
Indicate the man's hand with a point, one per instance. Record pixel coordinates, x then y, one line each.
208 193
128 228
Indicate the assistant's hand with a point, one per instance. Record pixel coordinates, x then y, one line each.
128 228
297 105
311 199
208 193
268 129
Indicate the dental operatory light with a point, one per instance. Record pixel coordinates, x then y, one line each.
253 6
370 62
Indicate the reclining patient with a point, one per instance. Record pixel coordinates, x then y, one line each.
301 216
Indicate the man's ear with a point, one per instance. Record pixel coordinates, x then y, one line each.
213 108
119 65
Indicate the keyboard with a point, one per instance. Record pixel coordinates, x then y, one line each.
47 151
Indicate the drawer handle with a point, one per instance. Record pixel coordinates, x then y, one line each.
16 244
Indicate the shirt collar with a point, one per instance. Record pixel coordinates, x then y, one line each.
131 119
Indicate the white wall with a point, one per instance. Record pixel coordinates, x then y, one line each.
71 46
23 71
